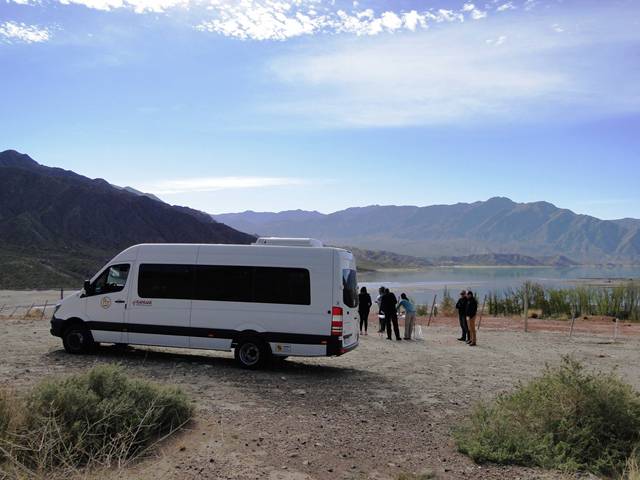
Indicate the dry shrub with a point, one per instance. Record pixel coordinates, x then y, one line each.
100 418
567 419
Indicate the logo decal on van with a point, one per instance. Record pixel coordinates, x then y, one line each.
105 302
142 303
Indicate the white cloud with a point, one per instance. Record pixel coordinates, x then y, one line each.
210 184
284 19
455 75
505 6
12 32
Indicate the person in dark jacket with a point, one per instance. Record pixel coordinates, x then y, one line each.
389 304
472 311
461 306
364 307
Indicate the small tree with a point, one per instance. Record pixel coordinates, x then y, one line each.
447 306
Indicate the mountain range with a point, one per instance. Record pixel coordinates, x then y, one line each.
57 227
498 226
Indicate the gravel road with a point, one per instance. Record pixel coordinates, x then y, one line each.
384 409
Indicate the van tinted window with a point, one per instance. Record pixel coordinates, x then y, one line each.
253 284
282 285
224 283
165 281
349 288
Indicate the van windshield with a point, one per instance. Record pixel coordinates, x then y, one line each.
349 288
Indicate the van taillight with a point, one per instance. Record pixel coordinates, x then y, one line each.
336 321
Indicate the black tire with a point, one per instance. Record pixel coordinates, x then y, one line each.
77 339
252 353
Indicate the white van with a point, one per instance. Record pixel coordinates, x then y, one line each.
278 297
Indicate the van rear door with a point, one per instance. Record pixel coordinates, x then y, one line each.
349 295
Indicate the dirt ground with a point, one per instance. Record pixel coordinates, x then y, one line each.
384 409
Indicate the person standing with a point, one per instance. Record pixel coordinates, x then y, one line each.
381 291
409 315
389 305
472 311
364 307
461 306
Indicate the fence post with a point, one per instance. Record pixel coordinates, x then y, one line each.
44 309
615 330
28 310
484 302
61 293
526 308
433 305
573 321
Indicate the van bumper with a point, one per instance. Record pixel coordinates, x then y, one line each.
56 326
335 347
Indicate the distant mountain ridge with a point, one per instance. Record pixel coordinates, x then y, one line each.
496 226
58 226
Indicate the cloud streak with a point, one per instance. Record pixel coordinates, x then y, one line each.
211 184
494 70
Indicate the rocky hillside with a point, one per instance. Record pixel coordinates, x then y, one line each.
58 226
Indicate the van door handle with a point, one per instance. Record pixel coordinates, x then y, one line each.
119 301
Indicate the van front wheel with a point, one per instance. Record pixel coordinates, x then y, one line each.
251 353
77 339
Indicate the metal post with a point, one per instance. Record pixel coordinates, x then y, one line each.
433 305
61 293
44 309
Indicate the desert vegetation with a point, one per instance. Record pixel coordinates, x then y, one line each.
620 301
101 418
567 419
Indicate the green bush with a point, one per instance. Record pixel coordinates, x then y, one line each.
101 417
567 419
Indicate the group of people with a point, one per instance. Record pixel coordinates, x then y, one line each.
467 307
388 308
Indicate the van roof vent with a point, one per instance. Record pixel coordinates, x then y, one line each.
289 242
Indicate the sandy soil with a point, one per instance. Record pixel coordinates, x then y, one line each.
386 408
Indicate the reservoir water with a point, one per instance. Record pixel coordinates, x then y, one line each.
422 285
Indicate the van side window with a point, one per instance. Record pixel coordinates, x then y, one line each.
165 281
282 285
224 284
113 279
349 288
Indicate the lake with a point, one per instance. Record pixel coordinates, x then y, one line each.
422 285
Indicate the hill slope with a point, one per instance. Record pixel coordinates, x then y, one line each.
496 226
58 226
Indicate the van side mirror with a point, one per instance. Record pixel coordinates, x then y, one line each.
88 290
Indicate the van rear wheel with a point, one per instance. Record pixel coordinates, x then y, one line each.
77 339
251 353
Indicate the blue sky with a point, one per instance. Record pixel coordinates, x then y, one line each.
283 104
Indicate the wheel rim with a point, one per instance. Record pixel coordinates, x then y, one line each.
75 339
249 354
